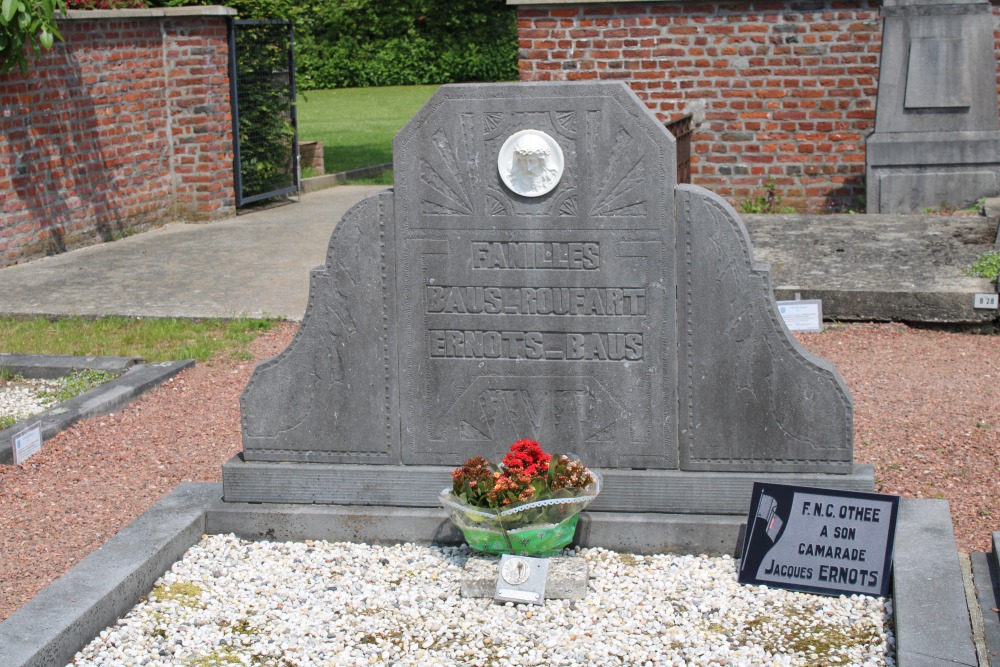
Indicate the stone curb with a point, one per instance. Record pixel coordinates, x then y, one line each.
931 614
53 366
155 12
70 612
929 603
341 177
984 577
937 307
991 209
102 400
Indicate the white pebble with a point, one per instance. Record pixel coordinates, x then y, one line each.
230 601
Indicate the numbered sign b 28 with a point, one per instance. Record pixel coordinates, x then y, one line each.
820 541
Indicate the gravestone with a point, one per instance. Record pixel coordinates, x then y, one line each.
536 273
937 132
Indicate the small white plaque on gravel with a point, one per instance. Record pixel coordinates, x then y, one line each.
802 315
567 577
522 579
986 301
27 443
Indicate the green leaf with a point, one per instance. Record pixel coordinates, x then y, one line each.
7 10
46 38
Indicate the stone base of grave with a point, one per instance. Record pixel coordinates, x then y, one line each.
913 172
624 490
931 617
641 533
567 578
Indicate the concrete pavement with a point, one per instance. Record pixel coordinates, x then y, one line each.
253 264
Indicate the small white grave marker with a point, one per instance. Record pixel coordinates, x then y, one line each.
522 579
27 443
985 301
802 315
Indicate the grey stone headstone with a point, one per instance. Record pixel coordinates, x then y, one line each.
580 351
937 134
609 313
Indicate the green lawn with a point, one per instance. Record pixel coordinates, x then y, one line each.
356 125
152 339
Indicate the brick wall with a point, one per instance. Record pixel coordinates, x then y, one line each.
784 89
124 126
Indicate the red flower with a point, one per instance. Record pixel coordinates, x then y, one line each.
522 477
527 455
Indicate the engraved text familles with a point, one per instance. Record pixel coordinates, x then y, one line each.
507 341
573 256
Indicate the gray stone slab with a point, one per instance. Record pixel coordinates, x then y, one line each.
942 39
933 187
878 267
70 612
929 7
988 598
754 399
937 307
936 128
418 486
336 523
567 578
995 541
696 534
330 395
101 400
991 210
52 366
629 532
607 310
927 580
576 283
937 74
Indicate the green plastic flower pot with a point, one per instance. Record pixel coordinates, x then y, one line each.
541 540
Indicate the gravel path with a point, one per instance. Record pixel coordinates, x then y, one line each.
927 415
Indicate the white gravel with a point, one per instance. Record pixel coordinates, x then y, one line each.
23 398
233 602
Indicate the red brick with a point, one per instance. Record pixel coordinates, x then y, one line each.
110 106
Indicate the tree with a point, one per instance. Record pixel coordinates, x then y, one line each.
26 24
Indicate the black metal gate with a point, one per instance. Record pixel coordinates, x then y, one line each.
262 90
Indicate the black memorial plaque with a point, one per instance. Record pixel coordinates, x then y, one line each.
819 541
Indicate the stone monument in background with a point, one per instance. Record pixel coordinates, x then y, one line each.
937 133
536 273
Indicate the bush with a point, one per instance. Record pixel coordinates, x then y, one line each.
106 4
357 43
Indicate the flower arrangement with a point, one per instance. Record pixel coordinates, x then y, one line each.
529 504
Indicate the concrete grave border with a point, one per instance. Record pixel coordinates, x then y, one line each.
931 614
135 379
